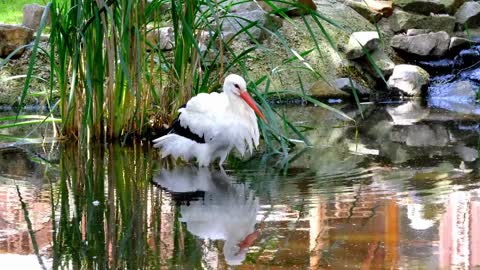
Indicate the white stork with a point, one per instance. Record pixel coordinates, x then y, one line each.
209 126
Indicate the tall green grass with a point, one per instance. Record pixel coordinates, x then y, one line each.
99 59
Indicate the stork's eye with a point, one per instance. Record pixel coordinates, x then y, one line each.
236 86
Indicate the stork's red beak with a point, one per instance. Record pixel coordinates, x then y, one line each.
248 99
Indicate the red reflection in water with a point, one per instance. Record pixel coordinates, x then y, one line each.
14 235
460 232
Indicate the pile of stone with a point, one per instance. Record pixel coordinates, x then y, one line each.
416 30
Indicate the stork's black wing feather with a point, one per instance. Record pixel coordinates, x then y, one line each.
176 128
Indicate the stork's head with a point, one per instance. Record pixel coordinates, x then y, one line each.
236 85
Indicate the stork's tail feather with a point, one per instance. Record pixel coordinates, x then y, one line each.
178 146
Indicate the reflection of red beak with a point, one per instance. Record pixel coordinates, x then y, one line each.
248 99
248 241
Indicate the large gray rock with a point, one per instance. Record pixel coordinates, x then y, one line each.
468 15
431 44
12 37
163 38
32 15
408 79
360 42
401 21
428 6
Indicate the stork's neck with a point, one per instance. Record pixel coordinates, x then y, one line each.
236 103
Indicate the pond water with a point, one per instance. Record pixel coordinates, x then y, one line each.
399 191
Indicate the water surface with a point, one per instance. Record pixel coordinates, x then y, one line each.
400 190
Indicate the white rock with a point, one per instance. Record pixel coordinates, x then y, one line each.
361 41
408 79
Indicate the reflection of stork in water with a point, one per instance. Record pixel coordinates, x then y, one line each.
227 212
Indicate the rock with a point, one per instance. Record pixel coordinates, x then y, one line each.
468 15
467 57
322 89
408 79
414 32
12 37
370 9
431 44
401 21
361 41
163 38
239 7
32 15
383 62
290 7
234 23
458 43
457 96
345 85
426 7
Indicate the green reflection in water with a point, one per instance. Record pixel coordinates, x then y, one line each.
107 214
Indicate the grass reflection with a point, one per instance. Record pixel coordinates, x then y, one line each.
107 215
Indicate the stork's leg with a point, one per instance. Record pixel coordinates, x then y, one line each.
223 156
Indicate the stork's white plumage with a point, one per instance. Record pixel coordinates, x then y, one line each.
211 125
